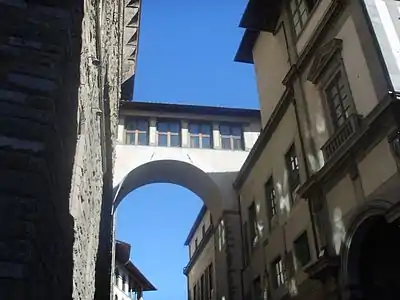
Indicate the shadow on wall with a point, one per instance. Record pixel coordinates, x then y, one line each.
38 152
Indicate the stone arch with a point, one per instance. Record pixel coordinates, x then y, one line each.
364 222
177 172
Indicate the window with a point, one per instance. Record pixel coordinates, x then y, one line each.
202 287
292 166
190 251
196 244
339 100
278 274
200 135
195 297
231 137
257 289
210 280
300 10
302 250
168 133
137 132
203 230
253 223
270 195
116 297
246 243
221 235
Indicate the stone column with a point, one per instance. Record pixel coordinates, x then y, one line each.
121 131
216 136
185 142
153 132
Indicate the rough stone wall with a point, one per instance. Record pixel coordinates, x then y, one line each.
60 80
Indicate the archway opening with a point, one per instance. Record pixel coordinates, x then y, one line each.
176 172
156 223
374 260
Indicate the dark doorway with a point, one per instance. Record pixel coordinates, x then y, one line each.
379 262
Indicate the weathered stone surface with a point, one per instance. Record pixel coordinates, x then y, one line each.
60 82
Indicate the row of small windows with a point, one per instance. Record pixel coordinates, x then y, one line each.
279 271
203 289
169 134
282 267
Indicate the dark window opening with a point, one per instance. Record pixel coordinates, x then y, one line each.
302 250
270 195
278 273
292 166
253 223
339 100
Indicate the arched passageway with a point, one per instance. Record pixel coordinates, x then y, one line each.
373 261
172 171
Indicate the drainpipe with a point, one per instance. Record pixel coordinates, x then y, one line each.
307 171
241 236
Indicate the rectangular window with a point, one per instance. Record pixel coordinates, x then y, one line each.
301 10
169 133
292 166
196 244
257 289
231 137
339 100
137 132
190 251
210 280
246 243
203 230
270 196
202 287
302 250
195 297
253 223
278 273
200 135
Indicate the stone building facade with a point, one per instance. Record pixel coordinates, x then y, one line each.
319 192
128 282
61 74
200 272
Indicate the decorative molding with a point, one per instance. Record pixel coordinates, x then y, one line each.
322 57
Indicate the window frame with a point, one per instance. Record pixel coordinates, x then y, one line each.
246 245
200 135
331 70
288 164
136 131
252 218
279 278
309 11
301 236
232 137
169 133
338 74
269 190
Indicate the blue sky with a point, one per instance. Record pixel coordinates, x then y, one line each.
186 56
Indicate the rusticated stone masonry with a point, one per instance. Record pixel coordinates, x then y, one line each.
60 82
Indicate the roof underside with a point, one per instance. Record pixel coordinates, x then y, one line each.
259 15
190 109
122 253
